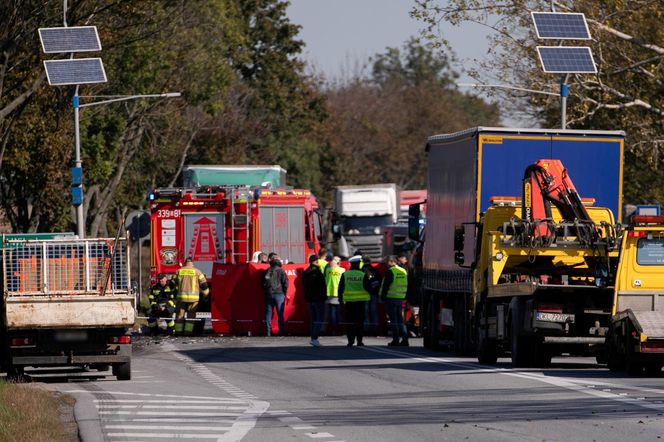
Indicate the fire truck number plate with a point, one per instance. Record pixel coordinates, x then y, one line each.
165 213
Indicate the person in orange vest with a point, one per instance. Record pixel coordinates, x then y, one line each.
393 293
354 293
190 283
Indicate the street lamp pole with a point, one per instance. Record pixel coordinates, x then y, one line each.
77 176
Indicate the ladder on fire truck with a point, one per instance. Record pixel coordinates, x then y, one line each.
240 224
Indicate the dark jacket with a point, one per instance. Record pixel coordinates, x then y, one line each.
313 280
276 271
388 279
374 279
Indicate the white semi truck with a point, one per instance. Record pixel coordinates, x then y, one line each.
362 213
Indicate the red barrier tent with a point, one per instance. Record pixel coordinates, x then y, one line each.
238 300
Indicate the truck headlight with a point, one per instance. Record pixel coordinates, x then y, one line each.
377 230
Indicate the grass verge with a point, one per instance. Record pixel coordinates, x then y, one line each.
29 413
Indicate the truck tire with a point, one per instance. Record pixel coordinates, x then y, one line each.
122 371
487 349
653 368
520 348
613 360
15 373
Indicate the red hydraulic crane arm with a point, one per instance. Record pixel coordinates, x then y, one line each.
546 182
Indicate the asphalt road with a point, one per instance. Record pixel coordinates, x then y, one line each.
280 388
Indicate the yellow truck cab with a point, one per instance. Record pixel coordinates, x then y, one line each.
535 297
635 340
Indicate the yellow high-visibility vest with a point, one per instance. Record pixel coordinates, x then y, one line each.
353 288
332 278
399 284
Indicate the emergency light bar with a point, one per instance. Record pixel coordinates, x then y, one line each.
647 219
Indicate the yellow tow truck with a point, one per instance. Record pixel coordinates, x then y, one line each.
635 339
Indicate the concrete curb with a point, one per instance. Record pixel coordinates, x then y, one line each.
87 419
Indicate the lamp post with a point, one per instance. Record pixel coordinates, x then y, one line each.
77 172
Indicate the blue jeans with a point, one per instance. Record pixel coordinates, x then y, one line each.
317 317
395 313
371 315
334 318
271 302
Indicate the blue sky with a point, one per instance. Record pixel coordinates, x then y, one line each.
342 34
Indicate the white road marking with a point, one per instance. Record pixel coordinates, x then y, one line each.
166 427
166 413
167 401
172 407
303 427
189 420
157 395
319 435
167 435
574 385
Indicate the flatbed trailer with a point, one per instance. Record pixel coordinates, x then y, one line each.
66 302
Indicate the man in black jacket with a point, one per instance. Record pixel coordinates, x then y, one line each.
275 284
315 293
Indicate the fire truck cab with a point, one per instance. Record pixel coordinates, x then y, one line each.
228 224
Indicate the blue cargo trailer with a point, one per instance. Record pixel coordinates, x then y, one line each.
468 168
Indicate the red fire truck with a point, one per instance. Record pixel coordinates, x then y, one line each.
220 228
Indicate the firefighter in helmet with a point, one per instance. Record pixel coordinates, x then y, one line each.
162 303
190 283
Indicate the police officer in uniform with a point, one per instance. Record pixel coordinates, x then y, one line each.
162 304
354 290
190 283
393 293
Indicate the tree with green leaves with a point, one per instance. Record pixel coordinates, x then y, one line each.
378 125
624 95
245 99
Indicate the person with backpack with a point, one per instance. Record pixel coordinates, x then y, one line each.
275 285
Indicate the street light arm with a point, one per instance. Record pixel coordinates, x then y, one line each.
130 97
503 86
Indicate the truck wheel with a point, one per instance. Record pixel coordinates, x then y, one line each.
521 351
632 366
653 368
15 373
487 350
122 371
541 355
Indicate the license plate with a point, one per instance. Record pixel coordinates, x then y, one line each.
554 317
203 315
71 336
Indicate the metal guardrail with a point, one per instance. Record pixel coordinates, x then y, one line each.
65 267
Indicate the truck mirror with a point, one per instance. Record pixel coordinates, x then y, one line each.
336 231
459 258
414 222
459 233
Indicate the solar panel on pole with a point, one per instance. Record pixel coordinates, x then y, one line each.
75 71
561 26
567 59
72 39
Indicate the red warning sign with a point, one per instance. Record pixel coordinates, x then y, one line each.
204 241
